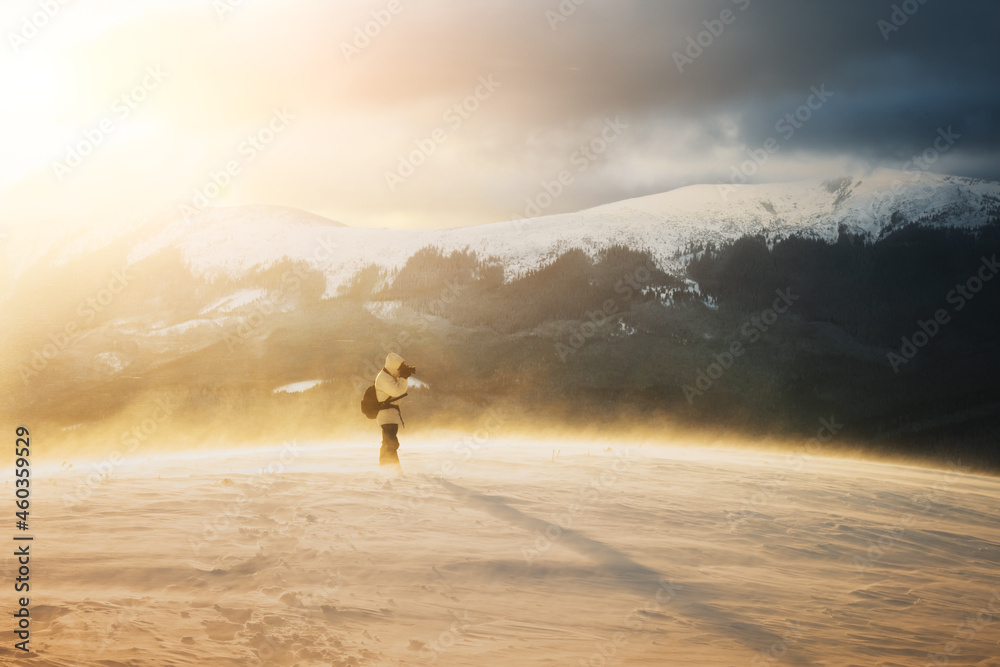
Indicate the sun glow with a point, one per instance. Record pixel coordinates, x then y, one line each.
33 91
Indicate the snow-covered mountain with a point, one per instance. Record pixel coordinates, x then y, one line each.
231 305
230 241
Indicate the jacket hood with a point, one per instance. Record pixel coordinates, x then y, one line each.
392 363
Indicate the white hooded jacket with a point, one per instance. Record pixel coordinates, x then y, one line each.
388 385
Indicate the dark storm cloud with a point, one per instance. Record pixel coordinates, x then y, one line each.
940 68
563 67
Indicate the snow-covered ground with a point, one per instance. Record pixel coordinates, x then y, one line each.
298 387
236 300
490 552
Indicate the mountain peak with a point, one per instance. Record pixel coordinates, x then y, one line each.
270 212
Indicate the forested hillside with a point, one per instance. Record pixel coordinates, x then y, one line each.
894 337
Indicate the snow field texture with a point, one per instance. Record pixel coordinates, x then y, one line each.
610 553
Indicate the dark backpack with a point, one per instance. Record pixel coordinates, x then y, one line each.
371 406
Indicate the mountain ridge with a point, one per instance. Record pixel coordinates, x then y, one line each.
663 222
232 241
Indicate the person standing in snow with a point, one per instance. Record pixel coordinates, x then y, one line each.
391 383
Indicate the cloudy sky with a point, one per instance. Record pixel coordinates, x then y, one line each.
426 113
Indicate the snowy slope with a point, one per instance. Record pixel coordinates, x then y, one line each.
230 241
609 554
234 240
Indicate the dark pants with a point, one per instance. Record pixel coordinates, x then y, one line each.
390 443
